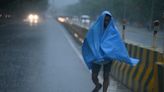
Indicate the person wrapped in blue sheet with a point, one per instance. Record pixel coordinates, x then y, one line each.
102 45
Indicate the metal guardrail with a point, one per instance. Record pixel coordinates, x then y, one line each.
141 44
160 76
140 78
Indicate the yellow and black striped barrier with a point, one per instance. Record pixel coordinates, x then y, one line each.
141 78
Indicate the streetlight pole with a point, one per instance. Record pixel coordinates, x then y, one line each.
124 21
163 30
124 12
152 13
156 29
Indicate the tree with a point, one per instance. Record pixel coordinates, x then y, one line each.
21 5
140 11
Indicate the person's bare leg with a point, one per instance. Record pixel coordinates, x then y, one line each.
95 73
96 82
95 78
106 82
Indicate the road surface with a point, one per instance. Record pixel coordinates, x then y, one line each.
43 58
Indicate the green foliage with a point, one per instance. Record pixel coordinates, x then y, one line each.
141 11
21 5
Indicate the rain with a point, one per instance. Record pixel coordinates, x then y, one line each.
42 45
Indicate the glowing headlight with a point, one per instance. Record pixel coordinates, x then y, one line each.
33 18
30 17
60 19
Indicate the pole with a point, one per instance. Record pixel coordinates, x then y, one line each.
124 12
123 28
151 15
156 29
124 21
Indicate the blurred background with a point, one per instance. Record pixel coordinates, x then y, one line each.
40 44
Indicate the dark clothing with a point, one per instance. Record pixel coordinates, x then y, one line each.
106 67
95 72
123 27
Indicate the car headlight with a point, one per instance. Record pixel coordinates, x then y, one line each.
61 19
33 18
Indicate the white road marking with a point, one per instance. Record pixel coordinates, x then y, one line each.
76 35
74 48
79 54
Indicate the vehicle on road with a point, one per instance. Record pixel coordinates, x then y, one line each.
32 19
85 20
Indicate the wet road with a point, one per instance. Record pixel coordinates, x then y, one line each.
40 59
43 58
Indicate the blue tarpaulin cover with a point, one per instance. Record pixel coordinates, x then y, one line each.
105 45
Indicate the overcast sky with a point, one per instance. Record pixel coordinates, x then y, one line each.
62 3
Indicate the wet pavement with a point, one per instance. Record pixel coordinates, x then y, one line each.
42 58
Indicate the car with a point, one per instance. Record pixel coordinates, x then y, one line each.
85 19
32 19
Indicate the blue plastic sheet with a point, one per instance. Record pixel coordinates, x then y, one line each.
105 45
